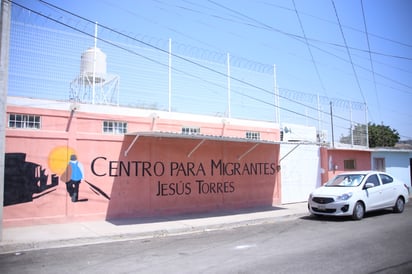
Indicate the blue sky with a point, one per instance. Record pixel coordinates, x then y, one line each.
354 50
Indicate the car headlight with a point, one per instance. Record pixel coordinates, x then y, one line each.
344 197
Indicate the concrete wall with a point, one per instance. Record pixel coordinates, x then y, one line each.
300 165
158 176
332 162
397 163
211 179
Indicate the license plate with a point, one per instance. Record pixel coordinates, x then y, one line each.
321 207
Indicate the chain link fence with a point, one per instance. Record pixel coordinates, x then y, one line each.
48 60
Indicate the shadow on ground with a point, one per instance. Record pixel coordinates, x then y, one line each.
188 216
371 214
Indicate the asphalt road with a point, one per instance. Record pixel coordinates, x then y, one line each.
380 243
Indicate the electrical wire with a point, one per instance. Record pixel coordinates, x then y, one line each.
177 56
185 59
349 55
370 58
351 28
309 49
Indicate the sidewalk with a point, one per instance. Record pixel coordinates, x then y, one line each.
19 239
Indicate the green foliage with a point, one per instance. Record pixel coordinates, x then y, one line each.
382 136
379 136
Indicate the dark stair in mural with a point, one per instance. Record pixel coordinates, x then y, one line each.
23 180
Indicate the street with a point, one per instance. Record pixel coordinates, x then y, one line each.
380 243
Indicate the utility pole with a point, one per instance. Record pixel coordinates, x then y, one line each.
331 124
277 111
367 125
170 75
228 87
4 67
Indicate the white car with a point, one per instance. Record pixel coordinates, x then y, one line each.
354 193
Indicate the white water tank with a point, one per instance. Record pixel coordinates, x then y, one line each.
87 65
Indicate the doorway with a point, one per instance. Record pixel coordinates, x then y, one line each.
379 164
410 170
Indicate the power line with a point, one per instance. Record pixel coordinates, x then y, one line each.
162 50
370 58
195 76
185 59
346 47
309 49
349 55
300 38
344 26
182 58
297 37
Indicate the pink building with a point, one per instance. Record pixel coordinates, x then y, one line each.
141 163
338 160
137 163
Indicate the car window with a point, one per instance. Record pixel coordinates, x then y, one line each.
386 179
346 180
373 179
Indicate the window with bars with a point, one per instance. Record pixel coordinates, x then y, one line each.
24 121
253 135
190 130
114 127
349 164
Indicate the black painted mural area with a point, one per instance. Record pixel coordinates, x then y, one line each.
25 181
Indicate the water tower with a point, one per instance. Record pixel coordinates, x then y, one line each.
94 85
91 70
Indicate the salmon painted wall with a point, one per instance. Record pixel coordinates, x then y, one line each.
161 177
157 177
324 174
333 161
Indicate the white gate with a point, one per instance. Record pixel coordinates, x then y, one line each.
300 171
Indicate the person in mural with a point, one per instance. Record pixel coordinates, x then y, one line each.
73 176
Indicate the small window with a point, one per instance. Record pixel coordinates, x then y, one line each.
349 164
114 127
24 121
253 135
190 130
386 179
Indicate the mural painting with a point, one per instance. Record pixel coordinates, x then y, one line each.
163 177
156 178
26 181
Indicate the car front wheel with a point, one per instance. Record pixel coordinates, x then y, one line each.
358 211
399 206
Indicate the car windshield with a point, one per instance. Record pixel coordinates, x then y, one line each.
346 180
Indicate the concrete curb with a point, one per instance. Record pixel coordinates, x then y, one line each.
103 232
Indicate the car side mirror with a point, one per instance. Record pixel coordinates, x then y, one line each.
369 185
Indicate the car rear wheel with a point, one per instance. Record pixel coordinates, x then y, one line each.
358 211
399 206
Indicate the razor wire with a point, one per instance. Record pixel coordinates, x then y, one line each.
45 62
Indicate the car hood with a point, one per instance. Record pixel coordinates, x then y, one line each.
333 191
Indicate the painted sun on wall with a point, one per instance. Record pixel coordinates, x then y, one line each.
58 159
